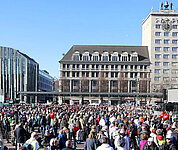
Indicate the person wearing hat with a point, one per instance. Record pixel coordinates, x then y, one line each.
169 144
150 145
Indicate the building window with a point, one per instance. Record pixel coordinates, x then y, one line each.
174 33
174 56
156 86
85 58
116 74
64 66
157 26
112 74
157 49
174 63
174 41
166 41
166 56
124 58
95 58
157 63
93 74
165 63
157 55
156 78
106 74
76 57
157 33
165 71
157 70
134 58
105 58
114 58
174 49
166 49
174 26
157 41
166 33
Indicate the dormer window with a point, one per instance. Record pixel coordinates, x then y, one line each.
95 56
134 56
85 56
105 56
76 57
125 56
115 56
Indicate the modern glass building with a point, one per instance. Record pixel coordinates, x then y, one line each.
45 84
19 72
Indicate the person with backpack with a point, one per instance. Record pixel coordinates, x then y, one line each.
32 143
122 141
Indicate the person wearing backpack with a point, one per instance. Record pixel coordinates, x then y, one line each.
122 141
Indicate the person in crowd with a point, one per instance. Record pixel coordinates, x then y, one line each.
150 145
90 143
105 145
143 141
68 145
33 141
168 145
122 141
53 144
21 135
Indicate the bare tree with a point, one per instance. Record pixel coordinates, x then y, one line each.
65 85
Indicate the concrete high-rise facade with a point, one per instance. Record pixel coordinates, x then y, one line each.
160 34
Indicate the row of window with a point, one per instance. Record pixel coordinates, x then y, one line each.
93 66
165 63
166 34
166 56
165 86
104 74
158 26
166 49
166 71
104 58
158 78
166 41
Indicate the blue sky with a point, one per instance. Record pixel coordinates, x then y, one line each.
45 29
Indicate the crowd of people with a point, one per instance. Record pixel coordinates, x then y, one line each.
63 127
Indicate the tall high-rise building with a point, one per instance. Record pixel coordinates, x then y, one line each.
18 72
160 34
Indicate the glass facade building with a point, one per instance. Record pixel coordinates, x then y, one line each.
19 72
